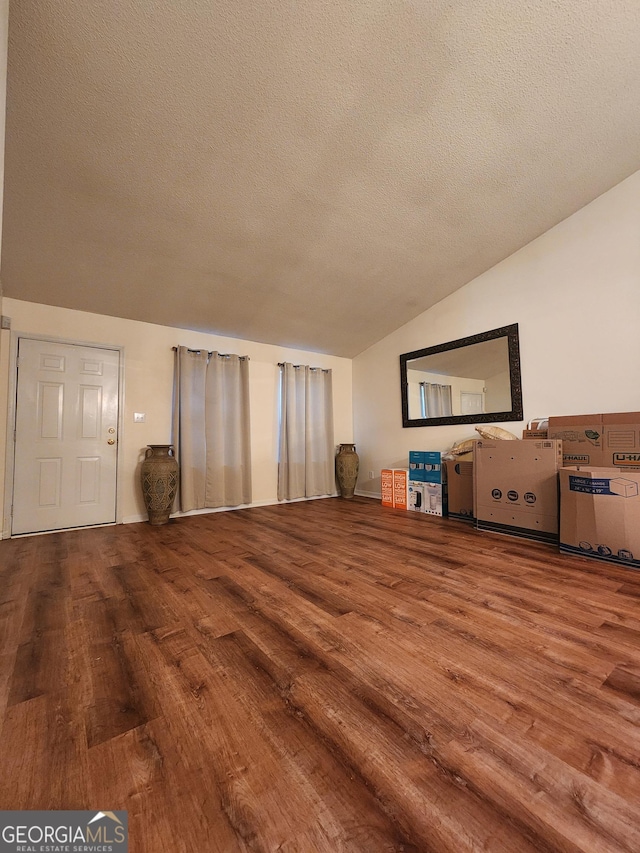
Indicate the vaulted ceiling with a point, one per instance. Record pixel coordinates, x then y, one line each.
312 173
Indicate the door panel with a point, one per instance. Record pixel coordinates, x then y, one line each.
88 483
49 481
66 412
50 406
470 403
90 411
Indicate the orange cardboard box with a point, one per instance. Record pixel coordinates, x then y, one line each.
401 488
394 487
386 486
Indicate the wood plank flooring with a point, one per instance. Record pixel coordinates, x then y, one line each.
322 677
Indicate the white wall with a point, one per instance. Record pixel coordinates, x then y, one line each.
149 381
575 293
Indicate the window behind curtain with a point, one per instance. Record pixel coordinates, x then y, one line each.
212 429
306 466
435 400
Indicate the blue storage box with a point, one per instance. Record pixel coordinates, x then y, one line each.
425 466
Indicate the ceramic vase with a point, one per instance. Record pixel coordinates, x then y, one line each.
347 464
159 482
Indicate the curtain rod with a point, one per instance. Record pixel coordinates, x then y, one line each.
210 352
296 366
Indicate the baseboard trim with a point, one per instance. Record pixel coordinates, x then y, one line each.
135 519
522 532
362 494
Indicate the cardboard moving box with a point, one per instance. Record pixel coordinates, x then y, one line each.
459 476
535 434
581 437
609 440
401 488
394 486
386 486
621 440
600 514
516 487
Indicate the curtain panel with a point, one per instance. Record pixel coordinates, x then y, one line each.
211 429
306 463
435 400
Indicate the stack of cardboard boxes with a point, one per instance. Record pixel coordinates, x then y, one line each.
512 486
426 481
419 488
395 487
600 486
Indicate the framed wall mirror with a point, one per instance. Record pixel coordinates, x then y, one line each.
472 380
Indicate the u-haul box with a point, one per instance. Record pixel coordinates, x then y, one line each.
600 514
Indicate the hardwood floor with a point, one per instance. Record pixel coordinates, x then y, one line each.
322 677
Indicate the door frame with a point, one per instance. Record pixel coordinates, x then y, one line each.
11 426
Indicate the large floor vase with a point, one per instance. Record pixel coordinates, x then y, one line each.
159 482
347 465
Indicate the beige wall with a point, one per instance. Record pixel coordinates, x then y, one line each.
575 293
149 380
459 385
497 396
4 335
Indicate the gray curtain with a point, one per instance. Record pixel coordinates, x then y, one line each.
211 429
435 400
306 463
188 427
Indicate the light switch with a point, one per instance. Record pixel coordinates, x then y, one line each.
139 417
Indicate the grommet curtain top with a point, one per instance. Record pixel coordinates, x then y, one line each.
211 353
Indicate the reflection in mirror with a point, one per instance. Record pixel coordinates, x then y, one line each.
471 380
467 381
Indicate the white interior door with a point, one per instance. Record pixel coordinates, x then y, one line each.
66 436
471 403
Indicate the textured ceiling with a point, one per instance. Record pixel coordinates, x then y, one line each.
305 172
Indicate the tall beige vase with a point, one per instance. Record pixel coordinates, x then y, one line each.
159 482
347 465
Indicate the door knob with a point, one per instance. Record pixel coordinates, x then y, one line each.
111 441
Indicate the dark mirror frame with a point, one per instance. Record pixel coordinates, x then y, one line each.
516 413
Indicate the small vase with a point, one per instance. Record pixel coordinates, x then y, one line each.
347 464
159 481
